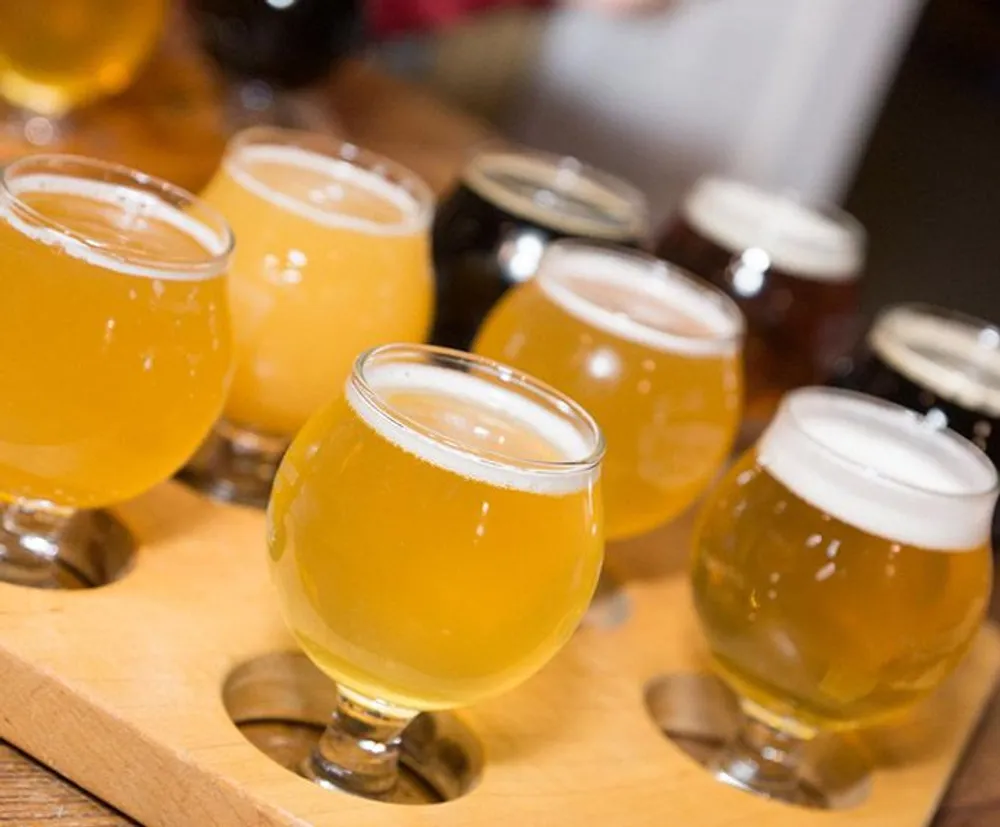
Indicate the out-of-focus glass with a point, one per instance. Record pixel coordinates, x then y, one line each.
435 536
275 56
791 266
332 259
115 314
57 55
841 570
491 232
651 352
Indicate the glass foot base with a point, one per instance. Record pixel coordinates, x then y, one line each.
281 703
802 793
91 548
701 716
240 472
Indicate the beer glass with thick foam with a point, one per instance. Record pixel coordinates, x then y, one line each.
115 317
841 570
652 353
58 55
332 260
478 576
792 267
490 233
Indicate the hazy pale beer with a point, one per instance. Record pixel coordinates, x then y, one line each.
492 230
115 319
792 268
332 259
436 531
652 353
843 565
58 54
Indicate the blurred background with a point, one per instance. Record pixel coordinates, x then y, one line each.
891 107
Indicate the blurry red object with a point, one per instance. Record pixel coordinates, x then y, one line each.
397 17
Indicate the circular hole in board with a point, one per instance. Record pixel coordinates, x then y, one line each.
699 714
280 702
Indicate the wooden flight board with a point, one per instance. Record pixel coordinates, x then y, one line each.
120 689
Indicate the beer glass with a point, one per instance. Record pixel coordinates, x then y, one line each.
333 259
934 361
275 55
841 570
435 536
651 352
490 233
58 55
115 318
792 267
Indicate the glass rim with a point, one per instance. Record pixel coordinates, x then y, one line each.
826 207
634 198
969 448
665 271
451 359
346 151
936 311
171 194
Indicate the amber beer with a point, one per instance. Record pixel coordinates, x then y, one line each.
58 54
651 352
492 549
115 318
792 268
490 233
843 565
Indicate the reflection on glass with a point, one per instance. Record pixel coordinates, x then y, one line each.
650 352
841 570
115 308
435 536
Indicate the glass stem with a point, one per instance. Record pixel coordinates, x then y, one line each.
31 532
359 751
762 759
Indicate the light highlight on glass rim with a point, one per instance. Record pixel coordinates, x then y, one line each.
413 199
569 266
582 451
811 243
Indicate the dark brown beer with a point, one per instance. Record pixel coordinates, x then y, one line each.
489 234
792 269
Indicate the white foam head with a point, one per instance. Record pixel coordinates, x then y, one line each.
820 245
414 200
881 468
569 440
132 202
560 193
639 298
954 357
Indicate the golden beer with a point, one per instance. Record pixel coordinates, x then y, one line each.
436 531
58 54
652 354
114 316
332 259
843 565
